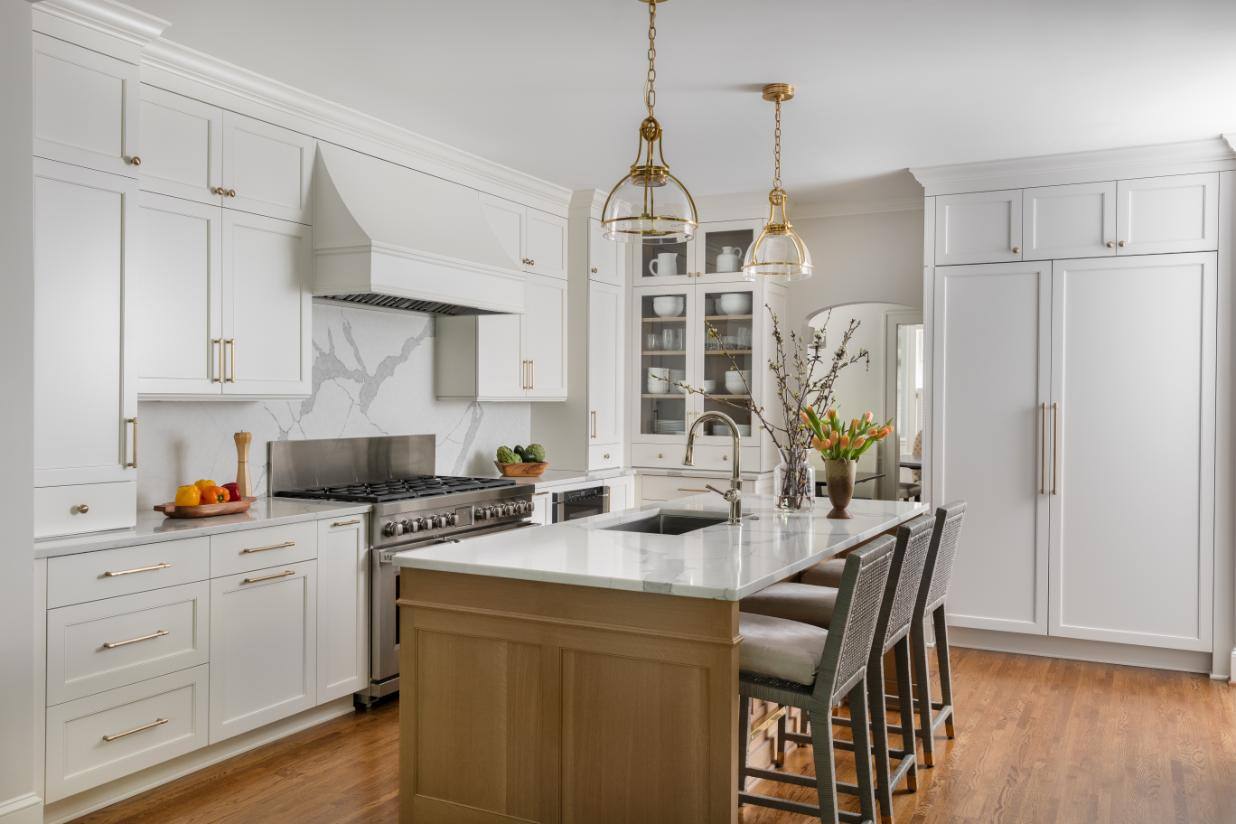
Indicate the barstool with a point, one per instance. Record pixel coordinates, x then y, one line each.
800 665
813 603
939 572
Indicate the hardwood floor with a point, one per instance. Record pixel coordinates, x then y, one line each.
1038 740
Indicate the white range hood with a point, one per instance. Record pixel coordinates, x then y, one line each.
387 236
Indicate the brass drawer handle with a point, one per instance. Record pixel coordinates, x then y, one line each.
133 463
158 722
594 270
133 160
230 344
252 549
80 509
151 568
1055 444
283 574
216 347
159 633
594 423
352 522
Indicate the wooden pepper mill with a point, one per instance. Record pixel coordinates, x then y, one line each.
243 439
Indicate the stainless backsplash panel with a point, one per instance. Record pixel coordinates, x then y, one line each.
336 461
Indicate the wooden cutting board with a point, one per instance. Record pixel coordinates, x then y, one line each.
205 510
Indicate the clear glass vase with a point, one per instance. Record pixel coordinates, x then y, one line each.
794 484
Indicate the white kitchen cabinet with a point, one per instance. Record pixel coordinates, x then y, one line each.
621 493
343 608
606 369
536 241
1175 213
263 650
177 329
85 107
267 322
182 145
718 249
84 389
541 506
543 332
1132 503
992 370
1074 220
983 227
266 169
606 261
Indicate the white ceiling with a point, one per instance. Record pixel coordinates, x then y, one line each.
554 87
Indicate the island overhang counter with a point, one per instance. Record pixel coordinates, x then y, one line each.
588 671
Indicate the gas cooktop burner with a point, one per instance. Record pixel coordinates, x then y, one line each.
418 486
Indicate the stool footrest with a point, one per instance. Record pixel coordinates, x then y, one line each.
787 778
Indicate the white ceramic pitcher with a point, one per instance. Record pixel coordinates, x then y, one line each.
664 265
730 259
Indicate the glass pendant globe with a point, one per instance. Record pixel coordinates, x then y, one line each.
649 208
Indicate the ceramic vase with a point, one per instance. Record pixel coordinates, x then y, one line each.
840 475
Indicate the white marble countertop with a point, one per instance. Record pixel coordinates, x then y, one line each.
153 526
553 478
720 561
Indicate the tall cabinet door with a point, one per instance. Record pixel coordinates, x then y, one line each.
992 364
544 337
343 608
267 304
605 364
1132 504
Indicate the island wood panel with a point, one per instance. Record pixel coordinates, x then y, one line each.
530 701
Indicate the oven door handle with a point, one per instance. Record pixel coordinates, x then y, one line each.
386 556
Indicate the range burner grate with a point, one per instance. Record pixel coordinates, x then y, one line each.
398 489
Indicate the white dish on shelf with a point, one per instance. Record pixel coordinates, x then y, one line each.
668 306
657 386
708 385
734 303
736 381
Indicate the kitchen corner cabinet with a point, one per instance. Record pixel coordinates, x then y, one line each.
535 240
85 403
343 608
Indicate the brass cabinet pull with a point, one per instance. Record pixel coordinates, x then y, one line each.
352 522
283 574
252 549
1043 448
80 509
231 193
133 463
532 263
151 568
216 346
1017 250
1122 243
218 190
158 722
594 423
230 375
1111 244
594 270
159 633
532 374
605 456
133 160
1055 444
690 489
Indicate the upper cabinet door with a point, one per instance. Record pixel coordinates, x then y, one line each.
85 107
544 337
267 167
84 393
182 146
176 329
661 264
984 227
719 248
1179 213
545 243
606 259
605 363
501 366
267 325
507 221
1077 220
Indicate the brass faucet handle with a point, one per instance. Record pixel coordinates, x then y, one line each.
728 494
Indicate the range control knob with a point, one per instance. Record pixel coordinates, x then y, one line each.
435 521
422 523
392 528
493 512
410 525
451 520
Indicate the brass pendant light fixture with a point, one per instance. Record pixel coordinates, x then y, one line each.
778 253
650 205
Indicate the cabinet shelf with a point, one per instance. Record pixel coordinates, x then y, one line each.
670 396
675 319
727 317
656 352
727 351
717 396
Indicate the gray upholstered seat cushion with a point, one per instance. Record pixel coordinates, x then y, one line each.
794 602
825 573
778 648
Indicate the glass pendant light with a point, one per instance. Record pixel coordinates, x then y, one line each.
650 205
778 253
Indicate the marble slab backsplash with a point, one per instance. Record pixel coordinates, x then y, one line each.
372 375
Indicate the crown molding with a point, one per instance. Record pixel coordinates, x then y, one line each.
1210 154
1230 137
103 25
845 208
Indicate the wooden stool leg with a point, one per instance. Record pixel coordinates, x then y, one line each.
879 734
905 706
946 671
744 735
825 772
922 689
862 748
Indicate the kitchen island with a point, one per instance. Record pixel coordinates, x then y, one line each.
588 671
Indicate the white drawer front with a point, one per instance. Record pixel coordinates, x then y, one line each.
67 510
74 579
669 487
604 456
235 552
714 456
119 641
667 455
103 737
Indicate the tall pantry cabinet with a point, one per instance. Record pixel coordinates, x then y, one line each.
1074 347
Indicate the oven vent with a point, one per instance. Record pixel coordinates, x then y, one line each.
396 303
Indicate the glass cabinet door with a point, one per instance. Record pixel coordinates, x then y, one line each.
729 351
662 262
664 344
720 248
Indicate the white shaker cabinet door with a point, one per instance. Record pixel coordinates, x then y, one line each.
85 107
501 369
506 219
984 227
177 323
85 401
545 243
991 376
606 371
343 608
263 647
1077 220
607 259
182 146
267 325
1133 391
1177 213
267 168
545 337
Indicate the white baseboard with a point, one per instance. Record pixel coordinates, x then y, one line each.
24 809
1102 652
1232 677
151 777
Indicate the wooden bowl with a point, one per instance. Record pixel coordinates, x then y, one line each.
205 510
523 470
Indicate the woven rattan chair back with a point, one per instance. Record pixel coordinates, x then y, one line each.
940 557
854 619
905 581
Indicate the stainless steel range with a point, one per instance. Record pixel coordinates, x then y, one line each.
412 507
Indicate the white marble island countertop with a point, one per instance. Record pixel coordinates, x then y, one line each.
719 561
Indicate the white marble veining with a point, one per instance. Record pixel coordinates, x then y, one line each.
153 527
721 561
372 375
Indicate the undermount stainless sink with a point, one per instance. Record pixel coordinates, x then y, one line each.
669 523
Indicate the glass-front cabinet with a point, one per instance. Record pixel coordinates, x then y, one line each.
715 254
667 347
728 336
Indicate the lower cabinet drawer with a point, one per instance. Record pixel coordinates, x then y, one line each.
107 736
656 454
119 641
605 456
66 510
73 579
235 552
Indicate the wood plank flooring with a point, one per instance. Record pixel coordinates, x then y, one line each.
1039 740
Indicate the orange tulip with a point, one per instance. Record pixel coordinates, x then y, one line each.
832 413
854 424
845 441
869 417
818 443
859 441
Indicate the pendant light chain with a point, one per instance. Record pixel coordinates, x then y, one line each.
650 85
777 149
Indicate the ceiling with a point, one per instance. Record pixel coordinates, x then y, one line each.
554 87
